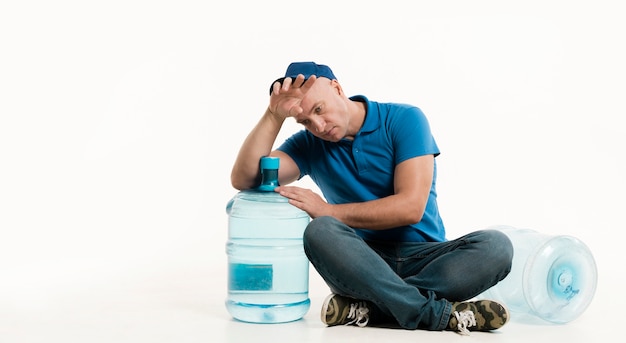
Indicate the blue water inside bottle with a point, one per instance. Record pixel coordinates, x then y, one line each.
268 272
552 279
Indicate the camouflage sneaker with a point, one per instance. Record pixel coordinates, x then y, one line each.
481 315
340 310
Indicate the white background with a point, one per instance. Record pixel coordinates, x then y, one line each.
119 122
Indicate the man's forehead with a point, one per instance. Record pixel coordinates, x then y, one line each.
315 95
306 103
309 101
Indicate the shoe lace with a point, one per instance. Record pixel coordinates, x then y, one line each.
359 314
465 319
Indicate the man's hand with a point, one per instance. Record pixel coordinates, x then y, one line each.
286 98
306 200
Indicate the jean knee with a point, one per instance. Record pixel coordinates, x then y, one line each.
316 228
318 232
505 244
502 248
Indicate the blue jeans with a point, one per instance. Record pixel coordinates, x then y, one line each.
411 284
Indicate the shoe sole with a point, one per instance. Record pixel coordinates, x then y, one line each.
506 313
325 308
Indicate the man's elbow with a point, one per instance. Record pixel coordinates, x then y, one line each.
239 183
414 217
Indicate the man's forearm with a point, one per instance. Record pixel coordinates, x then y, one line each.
258 143
385 213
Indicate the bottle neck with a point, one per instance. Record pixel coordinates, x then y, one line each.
269 179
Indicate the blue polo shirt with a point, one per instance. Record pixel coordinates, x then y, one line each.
362 169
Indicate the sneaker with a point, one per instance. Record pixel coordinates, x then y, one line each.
482 315
340 310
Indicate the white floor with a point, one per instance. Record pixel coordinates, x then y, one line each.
120 120
180 303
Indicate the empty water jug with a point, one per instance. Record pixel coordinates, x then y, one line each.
268 271
553 278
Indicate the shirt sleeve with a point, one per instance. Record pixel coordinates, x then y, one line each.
410 134
297 147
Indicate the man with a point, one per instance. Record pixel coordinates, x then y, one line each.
376 236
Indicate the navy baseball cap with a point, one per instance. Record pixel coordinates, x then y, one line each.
307 69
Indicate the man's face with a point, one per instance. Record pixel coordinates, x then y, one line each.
324 111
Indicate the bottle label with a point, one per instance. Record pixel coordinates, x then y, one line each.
250 277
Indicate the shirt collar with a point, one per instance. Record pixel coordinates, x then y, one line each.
372 116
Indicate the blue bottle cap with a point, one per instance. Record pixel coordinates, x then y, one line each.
269 173
268 162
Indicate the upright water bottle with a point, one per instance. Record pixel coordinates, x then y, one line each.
268 272
553 278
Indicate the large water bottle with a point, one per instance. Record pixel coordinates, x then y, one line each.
268 272
553 278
